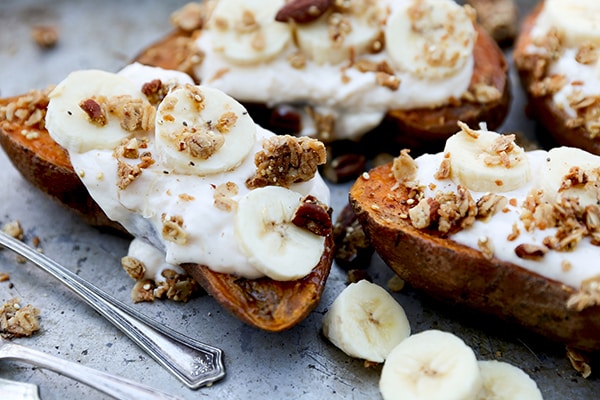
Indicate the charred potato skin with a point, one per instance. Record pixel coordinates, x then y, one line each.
542 108
459 275
262 303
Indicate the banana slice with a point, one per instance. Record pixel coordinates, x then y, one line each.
558 180
578 20
245 31
366 322
275 246
72 127
503 381
340 34
431 365
201 130
486 161
430 39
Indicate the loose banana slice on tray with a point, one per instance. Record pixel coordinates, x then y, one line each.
366 322
504 381
431 365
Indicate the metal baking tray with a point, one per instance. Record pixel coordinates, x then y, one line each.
298 363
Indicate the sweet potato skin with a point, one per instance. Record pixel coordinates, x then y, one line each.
421 129
460 275
262 303
542 108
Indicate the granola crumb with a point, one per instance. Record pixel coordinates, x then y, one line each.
45 36
14 229
395 283
17 320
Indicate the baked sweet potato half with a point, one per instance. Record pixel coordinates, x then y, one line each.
462 276
421 129
540 85
263 303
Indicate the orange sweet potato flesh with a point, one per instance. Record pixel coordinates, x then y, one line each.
263 303
420 129
543 109
461 276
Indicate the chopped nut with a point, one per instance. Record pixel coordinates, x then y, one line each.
490 204
587 53
46 36
404 167
357 275
172 229
143 291
353 250
486 246
588 294
302 11
530 251
223 194
314 216
395 283
134 267
579 361
13 229
192 15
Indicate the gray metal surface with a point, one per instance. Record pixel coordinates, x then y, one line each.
295 364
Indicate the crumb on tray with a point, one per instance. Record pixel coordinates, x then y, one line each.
17 320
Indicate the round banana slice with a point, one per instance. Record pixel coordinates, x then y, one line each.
245 31
339 35
202 131
78 130
431 365
571 172
486 161
366 322
503 381
577 20
275 246
431 39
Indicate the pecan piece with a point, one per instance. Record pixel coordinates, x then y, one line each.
314 216
530 251
94 111
303 11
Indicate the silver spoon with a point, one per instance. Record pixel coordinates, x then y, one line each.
115 386
194 363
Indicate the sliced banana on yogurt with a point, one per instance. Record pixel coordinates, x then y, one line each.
430 39
577 20
245 31
486 161
274 245
201 131
339 35
366 322
431 365
79 117
571 172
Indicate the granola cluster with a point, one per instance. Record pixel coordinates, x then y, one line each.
285 160
17 320
172 286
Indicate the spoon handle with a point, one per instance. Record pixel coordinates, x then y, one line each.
115 386
194 363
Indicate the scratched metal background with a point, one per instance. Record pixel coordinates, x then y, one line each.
294 364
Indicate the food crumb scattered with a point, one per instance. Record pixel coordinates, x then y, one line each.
395 283
13 229
45 36
17 320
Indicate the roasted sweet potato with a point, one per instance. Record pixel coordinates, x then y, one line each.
557 123
263 303
460 275
422 128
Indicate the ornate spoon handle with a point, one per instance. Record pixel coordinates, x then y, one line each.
196 364
115 386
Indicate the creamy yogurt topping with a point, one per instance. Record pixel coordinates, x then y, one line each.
582 78
354 98
139 208
500 225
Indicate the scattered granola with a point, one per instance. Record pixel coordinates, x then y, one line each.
46 36
14 229
173 230
18 321
588 295
28 110
579 361
192 15
223 196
